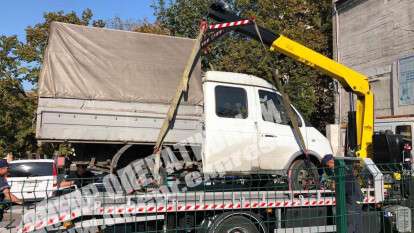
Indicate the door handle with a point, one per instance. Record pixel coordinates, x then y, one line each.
269 135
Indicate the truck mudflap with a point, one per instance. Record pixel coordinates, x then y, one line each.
90 207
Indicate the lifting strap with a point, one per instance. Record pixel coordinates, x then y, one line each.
291 115
172 111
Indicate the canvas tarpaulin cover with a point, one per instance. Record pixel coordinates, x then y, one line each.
102 64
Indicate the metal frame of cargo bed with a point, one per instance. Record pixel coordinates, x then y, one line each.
112 122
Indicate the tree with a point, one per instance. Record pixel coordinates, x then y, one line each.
16 106
9 64
307 22
154 28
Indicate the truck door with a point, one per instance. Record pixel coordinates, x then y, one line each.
276 141
230 129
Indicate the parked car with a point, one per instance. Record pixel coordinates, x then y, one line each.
32 180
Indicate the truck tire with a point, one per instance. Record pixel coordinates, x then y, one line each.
235 222
303 175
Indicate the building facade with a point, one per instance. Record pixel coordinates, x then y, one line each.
376 38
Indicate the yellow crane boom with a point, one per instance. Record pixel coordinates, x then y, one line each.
351 80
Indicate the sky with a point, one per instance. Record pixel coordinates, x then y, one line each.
16 15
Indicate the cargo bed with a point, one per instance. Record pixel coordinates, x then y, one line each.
94 89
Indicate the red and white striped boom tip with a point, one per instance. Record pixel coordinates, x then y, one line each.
229 24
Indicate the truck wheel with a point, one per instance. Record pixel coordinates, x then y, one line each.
235 224
303 175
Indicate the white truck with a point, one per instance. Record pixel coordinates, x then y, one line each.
108 99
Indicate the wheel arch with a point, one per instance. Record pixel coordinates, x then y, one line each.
313 156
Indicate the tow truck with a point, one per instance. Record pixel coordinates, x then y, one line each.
231 204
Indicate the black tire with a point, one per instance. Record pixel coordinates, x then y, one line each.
234 224
303 175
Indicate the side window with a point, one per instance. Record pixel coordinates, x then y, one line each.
231 102
273 110
405 131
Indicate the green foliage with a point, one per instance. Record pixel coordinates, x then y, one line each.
16 106
308 22
9 64
183 17
16 117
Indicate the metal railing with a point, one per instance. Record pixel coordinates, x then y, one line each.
355 195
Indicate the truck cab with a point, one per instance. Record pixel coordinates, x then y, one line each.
247 128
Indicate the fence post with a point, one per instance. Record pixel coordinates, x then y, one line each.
341 218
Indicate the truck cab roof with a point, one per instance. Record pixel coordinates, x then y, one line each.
236 78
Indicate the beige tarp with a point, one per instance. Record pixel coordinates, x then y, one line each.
103 64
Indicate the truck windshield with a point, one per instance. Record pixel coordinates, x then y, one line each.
31 169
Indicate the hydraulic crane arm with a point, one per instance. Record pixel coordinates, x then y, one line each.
351 80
